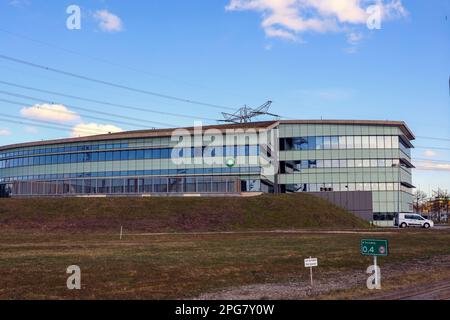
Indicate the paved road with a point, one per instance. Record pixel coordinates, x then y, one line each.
442 227
435 291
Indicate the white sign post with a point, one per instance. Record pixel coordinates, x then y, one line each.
310 263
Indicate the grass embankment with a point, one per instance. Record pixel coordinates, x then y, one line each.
175 214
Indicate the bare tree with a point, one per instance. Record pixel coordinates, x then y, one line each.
420 198
441 201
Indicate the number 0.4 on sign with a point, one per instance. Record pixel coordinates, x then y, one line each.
374 247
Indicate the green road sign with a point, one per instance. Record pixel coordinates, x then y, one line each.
374 247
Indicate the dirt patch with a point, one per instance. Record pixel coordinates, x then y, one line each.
333 281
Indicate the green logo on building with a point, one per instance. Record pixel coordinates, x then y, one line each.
230 163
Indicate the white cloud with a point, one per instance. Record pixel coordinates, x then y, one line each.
89 129
288 18
5 132
19 3
393 9
353 38
430 153
108 21
50 112
433 166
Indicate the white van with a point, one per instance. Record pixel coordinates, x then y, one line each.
404 220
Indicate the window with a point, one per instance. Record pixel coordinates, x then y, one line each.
366 163
358 142
373 163
132 154
373 142
350 142
148 154
116 155
380 142
326 143
365 142
342 142
395 143
334 143
320 164
311 143
300 143
388 142
319 143
388 163
350 163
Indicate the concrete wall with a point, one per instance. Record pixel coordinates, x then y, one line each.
357 202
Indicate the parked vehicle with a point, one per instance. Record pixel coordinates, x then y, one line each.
404 220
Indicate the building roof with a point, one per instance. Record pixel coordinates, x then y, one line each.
405 129
167 132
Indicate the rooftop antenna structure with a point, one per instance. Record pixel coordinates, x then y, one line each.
246 114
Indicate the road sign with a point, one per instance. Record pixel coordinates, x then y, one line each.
374 247
311 262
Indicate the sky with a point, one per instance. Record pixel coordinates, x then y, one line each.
315 59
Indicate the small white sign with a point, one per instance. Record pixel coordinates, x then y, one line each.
311 262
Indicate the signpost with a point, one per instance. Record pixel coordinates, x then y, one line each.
375 248
310 263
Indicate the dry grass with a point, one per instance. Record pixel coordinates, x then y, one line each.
33 264
168 214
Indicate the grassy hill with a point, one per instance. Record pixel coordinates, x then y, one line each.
175 214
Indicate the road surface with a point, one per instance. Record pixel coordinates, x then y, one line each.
434 291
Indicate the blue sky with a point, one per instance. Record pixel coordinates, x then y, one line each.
313 58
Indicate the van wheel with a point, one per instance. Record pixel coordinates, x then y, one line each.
426 225
403 225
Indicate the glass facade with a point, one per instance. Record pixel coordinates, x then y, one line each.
339 142
13 161
133 185
341 158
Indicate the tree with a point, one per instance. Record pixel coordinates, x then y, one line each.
420 198
441 202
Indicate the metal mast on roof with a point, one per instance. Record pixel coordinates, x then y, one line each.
246 114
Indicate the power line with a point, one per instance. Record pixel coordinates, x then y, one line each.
48 125
105 61
433 138
430 160
433 148
103 102
86 110
111 84
85 116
